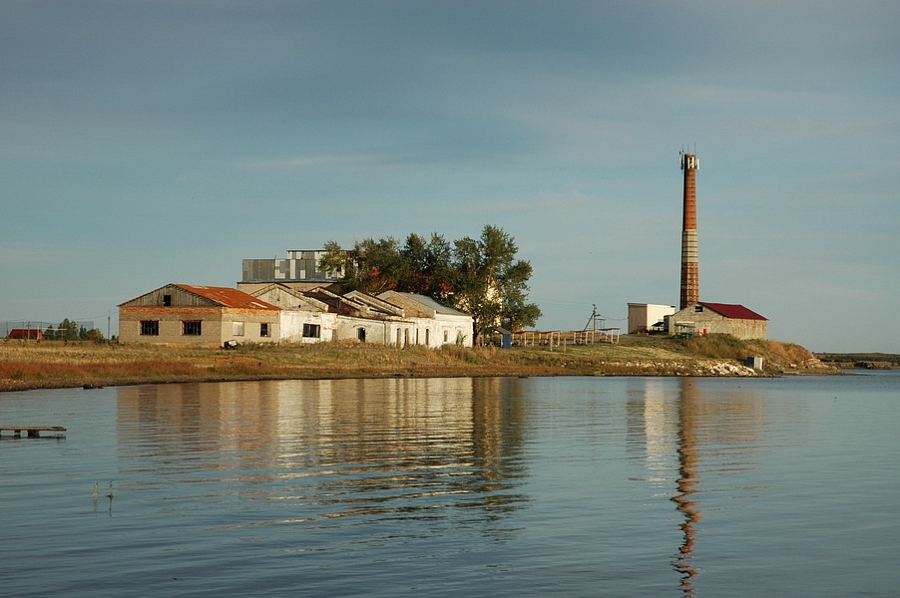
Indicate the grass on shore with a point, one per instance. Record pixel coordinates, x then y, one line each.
888 360
52 364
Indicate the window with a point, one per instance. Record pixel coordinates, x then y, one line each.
237 329
427 337
446 335
149 327
361 335
191 327
167 300
698 308
311 330
264 329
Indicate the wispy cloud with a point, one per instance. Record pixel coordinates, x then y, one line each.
21 254
125 124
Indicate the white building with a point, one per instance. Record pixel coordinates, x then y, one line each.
433 324
400 319
303 319
646 317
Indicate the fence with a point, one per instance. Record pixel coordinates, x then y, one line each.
555 338
38 330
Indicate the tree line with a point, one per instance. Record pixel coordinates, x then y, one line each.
481 277
71 330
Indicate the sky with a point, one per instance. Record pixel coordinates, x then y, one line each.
144 142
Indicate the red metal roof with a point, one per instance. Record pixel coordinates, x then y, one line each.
26 333
730 310
229 297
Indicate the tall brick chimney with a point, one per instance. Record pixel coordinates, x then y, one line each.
690 268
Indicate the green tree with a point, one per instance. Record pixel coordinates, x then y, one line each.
371 266
481 277
67 330
337 262
428 266
70 330
491 284
94 335
381 266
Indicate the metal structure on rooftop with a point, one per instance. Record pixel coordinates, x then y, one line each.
299 265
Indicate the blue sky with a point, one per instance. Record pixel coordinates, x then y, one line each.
148 142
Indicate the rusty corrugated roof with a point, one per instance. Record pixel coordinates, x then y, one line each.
228 297
734 311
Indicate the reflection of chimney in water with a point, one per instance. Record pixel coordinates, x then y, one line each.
688 478
690 268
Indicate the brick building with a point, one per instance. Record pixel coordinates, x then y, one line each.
188 314
704 317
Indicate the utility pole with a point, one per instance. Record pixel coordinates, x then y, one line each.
592 320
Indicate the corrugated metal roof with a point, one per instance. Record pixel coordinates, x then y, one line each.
335 303
734 311
228 297
432 304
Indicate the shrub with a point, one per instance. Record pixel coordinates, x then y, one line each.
718 346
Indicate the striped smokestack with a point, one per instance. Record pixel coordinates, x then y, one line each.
690 268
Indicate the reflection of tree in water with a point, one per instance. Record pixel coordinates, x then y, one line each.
419 447
687 480
393 449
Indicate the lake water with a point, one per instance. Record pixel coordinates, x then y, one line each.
457 487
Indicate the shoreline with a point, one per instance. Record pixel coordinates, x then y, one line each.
53 364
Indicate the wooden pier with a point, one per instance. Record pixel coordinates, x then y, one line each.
33 431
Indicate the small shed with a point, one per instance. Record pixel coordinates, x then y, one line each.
755 362
647 317
505 337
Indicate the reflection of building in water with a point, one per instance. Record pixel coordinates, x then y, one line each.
190 418
651 428
716 426
358 445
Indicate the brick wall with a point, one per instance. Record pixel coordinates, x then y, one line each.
217 325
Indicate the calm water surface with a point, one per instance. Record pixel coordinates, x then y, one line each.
457 487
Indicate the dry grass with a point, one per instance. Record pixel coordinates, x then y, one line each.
721 346
888 360
52 364
787 356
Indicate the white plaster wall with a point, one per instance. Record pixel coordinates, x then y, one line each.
292 322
